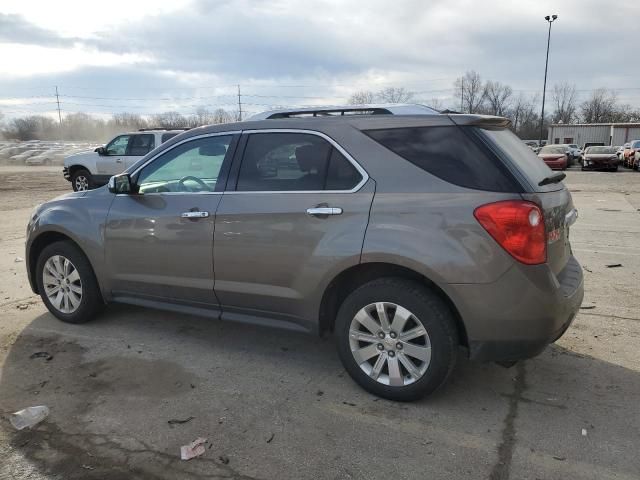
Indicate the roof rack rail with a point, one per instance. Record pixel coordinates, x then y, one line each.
162 128
344 110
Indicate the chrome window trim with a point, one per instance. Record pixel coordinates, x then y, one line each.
363 173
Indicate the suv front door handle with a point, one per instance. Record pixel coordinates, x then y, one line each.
319 211
196 214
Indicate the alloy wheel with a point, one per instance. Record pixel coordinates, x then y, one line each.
390 344
81 183
62 284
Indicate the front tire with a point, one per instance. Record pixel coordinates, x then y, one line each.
67 283
81 180
396 339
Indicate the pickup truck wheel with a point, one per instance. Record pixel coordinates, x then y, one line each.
396 339
67 284
81 180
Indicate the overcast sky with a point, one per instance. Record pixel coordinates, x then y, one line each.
148 56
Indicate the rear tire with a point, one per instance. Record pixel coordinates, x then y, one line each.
81 180
397 367
67 283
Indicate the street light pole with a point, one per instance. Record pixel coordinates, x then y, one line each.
549 19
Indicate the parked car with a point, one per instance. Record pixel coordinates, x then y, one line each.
53 156
19 159
555 156
405 236
576 153
87 170
632 155
596 158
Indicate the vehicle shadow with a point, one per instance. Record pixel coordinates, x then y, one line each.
278 403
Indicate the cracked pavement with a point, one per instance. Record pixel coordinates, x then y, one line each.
278 404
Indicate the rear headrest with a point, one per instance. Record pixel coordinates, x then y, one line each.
311 157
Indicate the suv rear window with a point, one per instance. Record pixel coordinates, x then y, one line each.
527 162
449 153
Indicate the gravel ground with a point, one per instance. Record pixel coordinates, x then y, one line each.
276 404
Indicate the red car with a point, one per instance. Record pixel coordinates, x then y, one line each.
555 156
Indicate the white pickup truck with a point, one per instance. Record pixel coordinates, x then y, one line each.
87 170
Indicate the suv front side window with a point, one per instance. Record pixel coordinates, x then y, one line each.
117 146
289 162
193 166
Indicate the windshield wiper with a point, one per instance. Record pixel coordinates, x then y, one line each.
555 178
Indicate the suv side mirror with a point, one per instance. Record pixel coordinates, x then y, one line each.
120 184
100 151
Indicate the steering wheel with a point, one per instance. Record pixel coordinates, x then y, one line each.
195 179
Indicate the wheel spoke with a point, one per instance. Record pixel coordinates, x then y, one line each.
66 266
50 290
417 351
367 321
410 366
58 265
51 268
73 276
362 336
57 301
413 333
400 319
382 316
74 298
365 353
377 367
49 279
395 376
75 288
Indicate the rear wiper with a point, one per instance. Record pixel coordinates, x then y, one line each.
555 178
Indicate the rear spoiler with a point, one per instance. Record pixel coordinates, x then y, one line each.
481 120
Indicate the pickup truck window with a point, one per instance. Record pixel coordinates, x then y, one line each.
117 146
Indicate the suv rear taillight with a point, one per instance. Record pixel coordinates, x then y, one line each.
518 227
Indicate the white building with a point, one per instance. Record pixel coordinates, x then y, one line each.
605 133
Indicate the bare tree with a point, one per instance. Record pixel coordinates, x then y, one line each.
169 120
470 90
564 99
362 97
601 107
436 104
498 98
395 95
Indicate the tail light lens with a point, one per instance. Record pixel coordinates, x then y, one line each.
518 227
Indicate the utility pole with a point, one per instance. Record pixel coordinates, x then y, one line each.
58 102
462 95
549 19
239 105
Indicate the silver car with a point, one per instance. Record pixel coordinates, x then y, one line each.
407 237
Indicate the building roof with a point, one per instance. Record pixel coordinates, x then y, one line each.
611 124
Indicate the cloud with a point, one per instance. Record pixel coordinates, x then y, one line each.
15 29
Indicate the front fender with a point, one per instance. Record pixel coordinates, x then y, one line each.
80 218
85 160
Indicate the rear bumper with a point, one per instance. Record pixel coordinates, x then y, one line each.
556 164
517 316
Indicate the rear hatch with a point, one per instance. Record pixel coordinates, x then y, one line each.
543 187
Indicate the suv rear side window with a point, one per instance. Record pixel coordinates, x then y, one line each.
140 145
294 162
450 154
167 136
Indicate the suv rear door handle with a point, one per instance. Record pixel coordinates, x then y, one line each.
196 214
324 211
